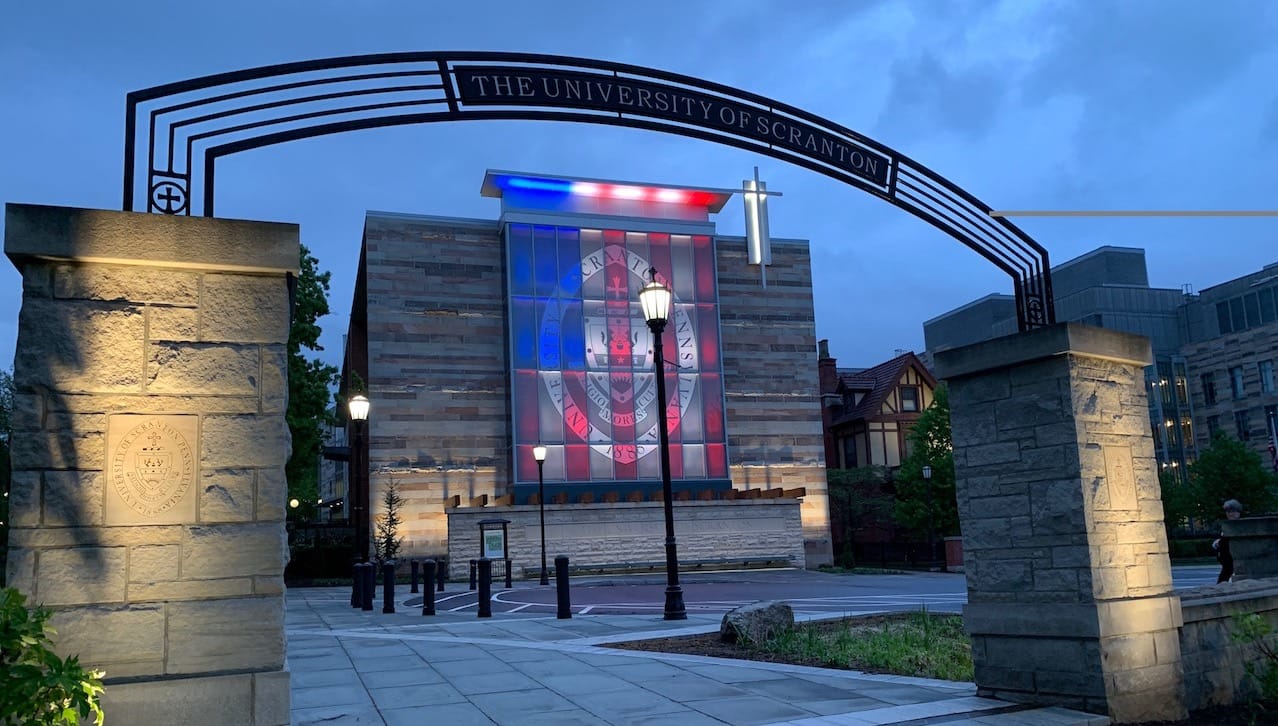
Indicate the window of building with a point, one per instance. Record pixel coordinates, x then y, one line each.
1209 388
1236 316
1267 311
1222 317
1186 431
1182 384
909 398
849 453
1242 425
1236 381
1271 421
1266 376
1213 425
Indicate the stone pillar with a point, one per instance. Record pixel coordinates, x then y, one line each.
149 445
1069 583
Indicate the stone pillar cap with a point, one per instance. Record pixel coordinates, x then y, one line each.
103 236
1048 342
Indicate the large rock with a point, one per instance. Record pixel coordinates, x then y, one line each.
756 622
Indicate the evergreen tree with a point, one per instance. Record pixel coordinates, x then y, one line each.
916 508
387 542
1227 469
308 384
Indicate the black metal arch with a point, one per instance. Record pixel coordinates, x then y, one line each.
191 124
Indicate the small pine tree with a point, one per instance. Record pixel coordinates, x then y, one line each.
388 541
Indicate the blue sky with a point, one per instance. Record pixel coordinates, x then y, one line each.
1052 105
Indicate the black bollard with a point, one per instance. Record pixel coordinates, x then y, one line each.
413 590
561 587
485 588
388 588
357 585
441 574
472 574
428 595
508 585
370 586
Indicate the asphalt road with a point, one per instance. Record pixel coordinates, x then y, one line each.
808 592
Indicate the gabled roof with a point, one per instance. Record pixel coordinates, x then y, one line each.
877 383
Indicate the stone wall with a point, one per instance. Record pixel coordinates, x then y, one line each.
1215 663
437 370
149 445
437 373
623 532
1069 582
771 383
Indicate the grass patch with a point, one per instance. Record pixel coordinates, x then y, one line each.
916 644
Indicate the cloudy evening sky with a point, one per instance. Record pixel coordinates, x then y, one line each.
1026 105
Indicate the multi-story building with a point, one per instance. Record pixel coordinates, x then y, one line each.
481 339
1231 345
1206 346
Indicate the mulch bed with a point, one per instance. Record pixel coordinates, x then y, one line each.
709 644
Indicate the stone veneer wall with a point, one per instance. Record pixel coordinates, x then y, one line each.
1069 583
437 373
437 369
596 534
142 330
770 380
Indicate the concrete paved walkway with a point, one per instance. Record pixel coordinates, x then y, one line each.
355 667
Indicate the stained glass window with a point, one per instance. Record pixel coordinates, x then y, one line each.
583 382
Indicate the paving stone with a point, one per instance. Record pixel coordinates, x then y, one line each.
451 714
334 695
748 710
418 695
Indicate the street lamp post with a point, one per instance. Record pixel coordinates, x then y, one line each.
655 300
539 453
358 406
931 530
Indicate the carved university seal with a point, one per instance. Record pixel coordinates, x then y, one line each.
152 467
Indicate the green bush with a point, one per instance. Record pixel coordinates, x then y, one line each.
1186 548
36 686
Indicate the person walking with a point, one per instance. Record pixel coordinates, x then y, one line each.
1233 510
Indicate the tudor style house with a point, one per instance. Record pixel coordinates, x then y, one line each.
868 412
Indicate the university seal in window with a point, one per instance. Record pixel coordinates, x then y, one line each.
151 469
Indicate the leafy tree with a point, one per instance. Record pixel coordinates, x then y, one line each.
1227 469
36 686
1178 500
857 500
308 384
388 542
916 508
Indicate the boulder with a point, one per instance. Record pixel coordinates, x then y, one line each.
756 622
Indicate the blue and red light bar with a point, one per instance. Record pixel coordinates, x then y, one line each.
496 183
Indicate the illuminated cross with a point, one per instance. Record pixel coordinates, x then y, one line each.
758 240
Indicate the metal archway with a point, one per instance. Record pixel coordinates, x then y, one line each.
191 124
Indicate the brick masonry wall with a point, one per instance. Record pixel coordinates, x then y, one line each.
438 373
593 534
155 335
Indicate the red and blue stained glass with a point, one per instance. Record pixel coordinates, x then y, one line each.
582 356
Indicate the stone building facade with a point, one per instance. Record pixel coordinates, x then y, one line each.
442 347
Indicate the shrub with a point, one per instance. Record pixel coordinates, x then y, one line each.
36 686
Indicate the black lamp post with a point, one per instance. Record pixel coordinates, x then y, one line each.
358 406
655 300
931 530
539 453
